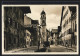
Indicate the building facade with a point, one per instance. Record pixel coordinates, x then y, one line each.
34 32
14 26
28 38
27 24
32 26
68 26
55 36
27 21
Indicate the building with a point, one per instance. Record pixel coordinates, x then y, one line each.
34 32
43 26
55 36
59 32
28 38
68 26
14 26
27 25
27 21
74 25
32 26
47 34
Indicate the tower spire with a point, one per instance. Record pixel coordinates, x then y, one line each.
43 12
43 9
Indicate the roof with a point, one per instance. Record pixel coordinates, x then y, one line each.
27 17
34 22
24 9
54 30
43 12
73 9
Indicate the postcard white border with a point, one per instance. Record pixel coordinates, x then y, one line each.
40 53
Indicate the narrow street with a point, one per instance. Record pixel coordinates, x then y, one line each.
57 48
60 48
52 48
23 50
29 49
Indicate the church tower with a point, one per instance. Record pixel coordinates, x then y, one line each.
43 25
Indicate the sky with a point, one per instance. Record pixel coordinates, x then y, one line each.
53 14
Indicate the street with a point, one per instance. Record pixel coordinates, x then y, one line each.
57 48
29 49
52 48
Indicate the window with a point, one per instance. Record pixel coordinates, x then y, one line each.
9 20
70 31
75 26
43 15
67 21
64 23
17 25
13 23
67 31
43 22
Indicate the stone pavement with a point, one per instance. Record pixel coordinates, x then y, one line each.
14 50
52 48
28 49
73 48
60 48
